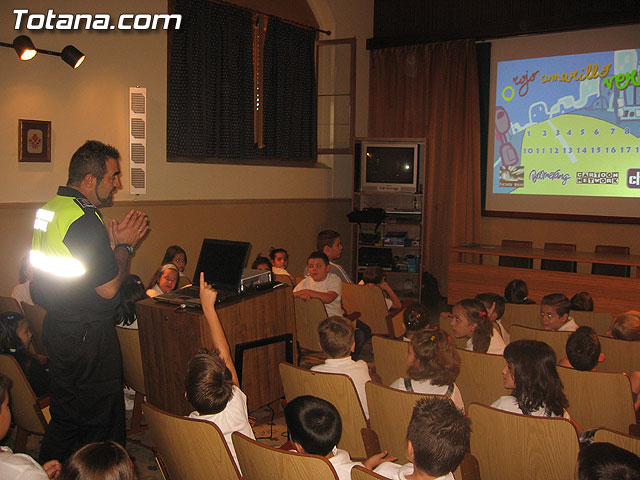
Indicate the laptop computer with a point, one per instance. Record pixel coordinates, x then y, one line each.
222 262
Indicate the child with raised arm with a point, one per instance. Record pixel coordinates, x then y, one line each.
315 427
437 440
211 382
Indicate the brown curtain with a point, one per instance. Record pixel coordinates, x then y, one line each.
431 91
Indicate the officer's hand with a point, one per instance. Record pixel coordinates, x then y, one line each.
132 228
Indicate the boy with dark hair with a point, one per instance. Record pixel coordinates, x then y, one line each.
15 466
374 276
554 313
437 440
329 243
337 339
315 427
495 306
583 350
211 382
321 284
605 461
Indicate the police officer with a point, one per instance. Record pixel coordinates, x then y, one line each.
79 264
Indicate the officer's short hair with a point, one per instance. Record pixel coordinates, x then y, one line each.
90 158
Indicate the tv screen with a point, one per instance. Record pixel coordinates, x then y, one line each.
390 165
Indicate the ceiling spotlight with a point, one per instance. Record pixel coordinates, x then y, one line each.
24 47
26 51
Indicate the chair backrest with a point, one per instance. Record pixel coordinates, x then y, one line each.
589 407
559 265
336 389
619 355
521 314
390 412
369 301
261 462
35 316
608 269
190 448
309 313
9 304
480 379
131 358
390 357
286 279
361 473
599 321
556 340
517 262
510 445
620 439
25 409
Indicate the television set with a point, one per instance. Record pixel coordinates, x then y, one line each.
389 167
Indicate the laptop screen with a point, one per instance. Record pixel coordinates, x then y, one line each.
222 262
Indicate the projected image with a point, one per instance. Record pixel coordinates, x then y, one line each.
568 125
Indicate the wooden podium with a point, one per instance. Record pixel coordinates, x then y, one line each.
260 329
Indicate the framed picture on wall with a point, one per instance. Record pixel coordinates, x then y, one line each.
34 141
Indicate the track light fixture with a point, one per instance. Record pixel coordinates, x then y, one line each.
26 51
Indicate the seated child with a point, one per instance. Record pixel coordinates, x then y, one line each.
176 255
15 340
627 327
433 365
470 319
261 263
583 350
329 243
495 306
131 291
21 292
211 382
99 461
280 261
554 313
337 338
164 280
437 440
375 276
530 373
605 461
415 318
581 302
517 291
321 284
315 427
17 466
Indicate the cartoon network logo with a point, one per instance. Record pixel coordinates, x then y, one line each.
98 21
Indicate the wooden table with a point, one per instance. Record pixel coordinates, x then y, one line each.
610 294
261 334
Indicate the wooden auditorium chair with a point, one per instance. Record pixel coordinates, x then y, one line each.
286 279
9 304
189 448
556 340
599 321
599 399
309 314
609 269
480 377
390 357
338 390
362 473
133 374
619 355
559 265
517 262
510 445
261 462
369 301
622 440
521 314
30 414
468 470
35 317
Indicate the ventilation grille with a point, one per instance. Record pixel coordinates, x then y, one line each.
137 140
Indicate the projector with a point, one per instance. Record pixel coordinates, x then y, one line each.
252 278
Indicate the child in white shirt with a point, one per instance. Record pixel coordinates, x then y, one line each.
469 319
554 313
321 284
495 306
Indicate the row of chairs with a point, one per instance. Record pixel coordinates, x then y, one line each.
563 265
529 316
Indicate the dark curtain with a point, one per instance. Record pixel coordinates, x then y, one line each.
210 91
431 91
289 113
